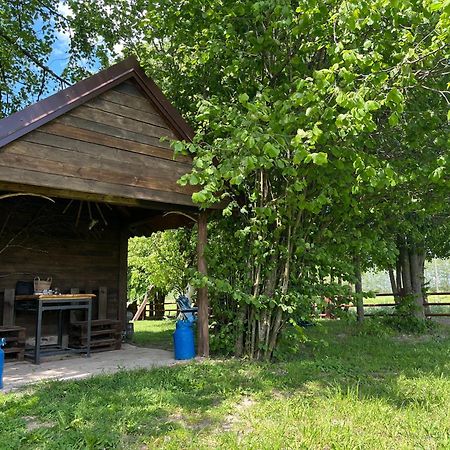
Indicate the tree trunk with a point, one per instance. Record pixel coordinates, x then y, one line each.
417 262
239 344
394 287
406 270
399 283
262 326
410 277
202 297
253 334
277 324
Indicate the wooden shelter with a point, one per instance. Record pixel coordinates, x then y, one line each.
101 151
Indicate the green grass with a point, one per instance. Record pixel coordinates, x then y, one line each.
154 333
341 391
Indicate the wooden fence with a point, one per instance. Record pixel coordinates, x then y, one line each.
152 310
149 309
426 305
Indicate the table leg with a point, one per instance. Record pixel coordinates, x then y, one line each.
60 333
88 343
37 344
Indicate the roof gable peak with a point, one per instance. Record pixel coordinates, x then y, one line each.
43 111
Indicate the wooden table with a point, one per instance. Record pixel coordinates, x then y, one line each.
45 302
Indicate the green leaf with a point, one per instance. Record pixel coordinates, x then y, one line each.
178 146
370 172
395 97
243 98
319 158
299 155
270 150
393 119
372 105
198 197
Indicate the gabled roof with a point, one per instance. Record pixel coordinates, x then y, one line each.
38 114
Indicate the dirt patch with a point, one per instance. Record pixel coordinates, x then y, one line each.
190 422
32 423
233 418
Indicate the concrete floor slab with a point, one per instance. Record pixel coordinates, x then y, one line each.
20 374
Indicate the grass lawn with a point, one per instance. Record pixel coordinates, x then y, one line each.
154 333
341 391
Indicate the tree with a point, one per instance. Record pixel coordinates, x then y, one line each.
417 210
294 105
89 32
161 260
294 99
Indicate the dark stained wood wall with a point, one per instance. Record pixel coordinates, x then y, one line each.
45 242
110 147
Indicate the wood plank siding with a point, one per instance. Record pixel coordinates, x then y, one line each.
39 238
109 147
101 150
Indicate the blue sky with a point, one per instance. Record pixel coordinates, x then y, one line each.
60 53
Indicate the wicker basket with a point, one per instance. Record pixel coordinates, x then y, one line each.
42 285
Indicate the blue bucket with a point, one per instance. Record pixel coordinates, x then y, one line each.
183 340
2 360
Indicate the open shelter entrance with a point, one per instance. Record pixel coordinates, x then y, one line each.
81 172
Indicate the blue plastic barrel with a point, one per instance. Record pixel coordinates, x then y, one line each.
183 340
2 361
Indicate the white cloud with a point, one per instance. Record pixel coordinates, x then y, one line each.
118 48
64 9
64 36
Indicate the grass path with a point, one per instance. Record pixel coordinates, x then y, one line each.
340 392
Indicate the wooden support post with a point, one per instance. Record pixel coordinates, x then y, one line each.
102 302
202 296
8 307
73 314
122 281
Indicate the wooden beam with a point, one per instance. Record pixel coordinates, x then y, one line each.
8 307
159 222
202 295
88 196
122 282
142 306
102 302
107 179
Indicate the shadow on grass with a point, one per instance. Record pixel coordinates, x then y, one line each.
117 410
154 339
156 334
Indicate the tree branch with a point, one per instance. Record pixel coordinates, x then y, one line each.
32 58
